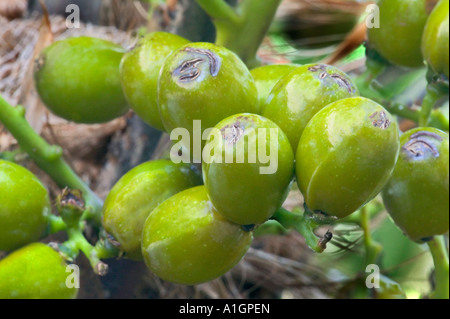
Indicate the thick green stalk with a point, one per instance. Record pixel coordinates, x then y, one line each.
47 157
441 266
242 29
219 10
373 249
56 224
431 97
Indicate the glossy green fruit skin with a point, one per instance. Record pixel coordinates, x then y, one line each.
202 81
139 72
35 271
24 207
417 194
135 196
399 37
186 241
346 155
302 93
78 79
435 39
266 77
240 190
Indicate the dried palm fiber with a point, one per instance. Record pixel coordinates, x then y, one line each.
11 9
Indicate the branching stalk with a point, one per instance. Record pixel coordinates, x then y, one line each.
431 97
47 157
305 226
373 249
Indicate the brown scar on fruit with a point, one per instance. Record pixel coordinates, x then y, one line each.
233 132
318 67
188 70
380 120
421 146
323 75
342 82
214 61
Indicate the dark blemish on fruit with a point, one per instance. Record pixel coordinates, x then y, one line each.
233 132
421 145
318 67
425 134
342 82
323 75
189 70
380 120
214 61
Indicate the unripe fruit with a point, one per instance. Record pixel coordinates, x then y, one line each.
135 196
266 77
203 81
302 93
35 271
78 79
24 207
186 241
346 155
417 194
249 172
435 39
139 72
399 36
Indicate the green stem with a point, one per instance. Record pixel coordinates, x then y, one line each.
441 266
428 103
79 242
70 207
373 249
56 224
47 157
373 209
219 10
304 226
241 30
